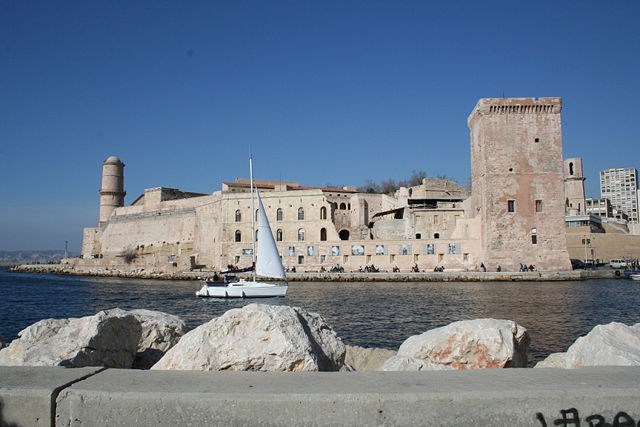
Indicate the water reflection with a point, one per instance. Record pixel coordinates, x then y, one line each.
367 314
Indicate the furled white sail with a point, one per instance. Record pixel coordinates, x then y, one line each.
268 263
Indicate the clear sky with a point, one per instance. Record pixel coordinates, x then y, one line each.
321 92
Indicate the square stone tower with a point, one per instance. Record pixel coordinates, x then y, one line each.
574 187
517 182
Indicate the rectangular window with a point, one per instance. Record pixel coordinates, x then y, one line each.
323 259
511 205
534 239
300 259
465 257
538 205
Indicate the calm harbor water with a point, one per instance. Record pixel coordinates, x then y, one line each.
374 314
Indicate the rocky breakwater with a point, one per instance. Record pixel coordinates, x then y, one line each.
71 270
467 344
259 337
614 344
111 338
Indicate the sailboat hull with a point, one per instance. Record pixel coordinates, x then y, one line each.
246 289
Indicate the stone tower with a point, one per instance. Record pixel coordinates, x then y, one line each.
574 187
517 179
112 190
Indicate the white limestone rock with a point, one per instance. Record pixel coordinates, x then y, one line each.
366 359
615 344
406 363
472 344
108 338
160 331
259 337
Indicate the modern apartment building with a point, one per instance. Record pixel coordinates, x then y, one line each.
620 186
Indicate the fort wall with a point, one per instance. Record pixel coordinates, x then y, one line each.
516 153
515 213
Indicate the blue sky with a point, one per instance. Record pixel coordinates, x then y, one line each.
320 92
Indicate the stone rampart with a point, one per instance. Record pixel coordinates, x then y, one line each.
515 397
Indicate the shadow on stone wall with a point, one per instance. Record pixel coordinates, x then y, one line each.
3 423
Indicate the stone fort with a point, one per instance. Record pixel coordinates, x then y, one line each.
514 212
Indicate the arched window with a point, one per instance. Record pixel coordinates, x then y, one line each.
343 206
301 213
256 235
256 214
570 168
238 236
344 235
323 213
323 234
238 216
301 234
279 215
279 235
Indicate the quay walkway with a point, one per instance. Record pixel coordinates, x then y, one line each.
446 276
55 396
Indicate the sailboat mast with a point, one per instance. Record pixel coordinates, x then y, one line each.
253 218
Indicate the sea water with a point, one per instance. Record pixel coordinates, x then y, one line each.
368 314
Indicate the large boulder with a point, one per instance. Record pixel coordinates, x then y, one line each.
259 337
366 359
406 363
160 331
108 338
471 344
614 344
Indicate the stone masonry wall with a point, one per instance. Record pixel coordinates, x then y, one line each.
516 152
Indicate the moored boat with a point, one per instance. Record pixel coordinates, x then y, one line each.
266 260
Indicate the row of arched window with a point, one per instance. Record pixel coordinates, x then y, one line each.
280 233
280 214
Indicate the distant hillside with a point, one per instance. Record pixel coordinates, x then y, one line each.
31 257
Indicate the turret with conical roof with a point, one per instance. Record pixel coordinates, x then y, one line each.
112 191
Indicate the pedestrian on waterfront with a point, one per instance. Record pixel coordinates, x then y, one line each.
483 268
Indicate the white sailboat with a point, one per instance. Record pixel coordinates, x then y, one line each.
266 260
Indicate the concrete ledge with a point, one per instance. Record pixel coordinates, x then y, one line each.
28 394
167 398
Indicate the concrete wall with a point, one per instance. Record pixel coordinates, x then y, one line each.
491 397
603 246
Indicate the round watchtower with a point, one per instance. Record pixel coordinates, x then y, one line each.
112 191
